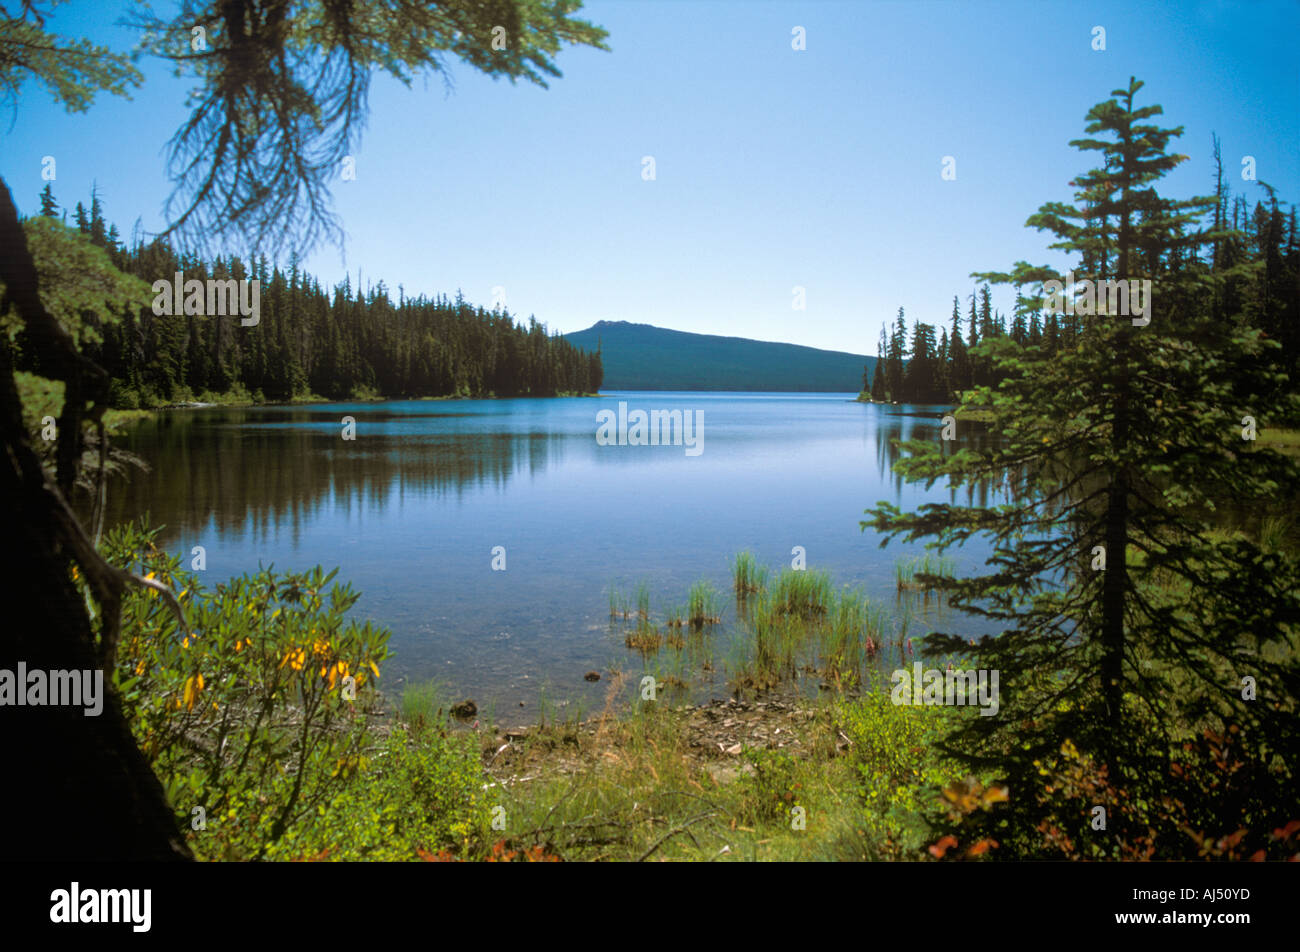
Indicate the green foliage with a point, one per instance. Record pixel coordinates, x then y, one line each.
804 593
773 788
899 770
421 790
308 341
74 70
703 605
748 576
1124 439
79 284
248 715
40 398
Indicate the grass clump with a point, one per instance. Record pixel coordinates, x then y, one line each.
702 608
922 574
802 593
748 576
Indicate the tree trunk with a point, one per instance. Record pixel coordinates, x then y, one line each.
76 787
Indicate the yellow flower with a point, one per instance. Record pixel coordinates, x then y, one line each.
193 686
295 659
139 668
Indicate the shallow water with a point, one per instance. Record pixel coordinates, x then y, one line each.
411 510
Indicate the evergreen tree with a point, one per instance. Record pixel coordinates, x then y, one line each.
879 390
1123 448
896 355
49 207
960 372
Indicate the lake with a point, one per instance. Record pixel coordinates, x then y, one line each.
412 509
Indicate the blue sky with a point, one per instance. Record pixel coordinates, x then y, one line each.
775 168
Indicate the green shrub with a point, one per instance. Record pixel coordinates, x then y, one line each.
258 716
421 791
899 771
773 789
122 397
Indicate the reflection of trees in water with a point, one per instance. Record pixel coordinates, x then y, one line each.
904 425
252 472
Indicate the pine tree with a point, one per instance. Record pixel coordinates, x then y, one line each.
959 377
897 354
1122 449
49 207
878 387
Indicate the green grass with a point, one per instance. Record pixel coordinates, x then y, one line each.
911 573
619 605
643 601
852 635
1280 439
424 702
748 576
802 592
703 606
653 799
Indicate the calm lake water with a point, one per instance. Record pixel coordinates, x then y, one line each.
411 510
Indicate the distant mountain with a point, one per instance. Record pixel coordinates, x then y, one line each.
644 357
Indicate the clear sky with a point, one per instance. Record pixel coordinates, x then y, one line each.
775 168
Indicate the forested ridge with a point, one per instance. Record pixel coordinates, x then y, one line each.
310 340
643 357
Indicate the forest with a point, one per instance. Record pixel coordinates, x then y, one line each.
349 342
1256 254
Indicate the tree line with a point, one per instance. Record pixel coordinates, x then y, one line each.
1254 252
338 343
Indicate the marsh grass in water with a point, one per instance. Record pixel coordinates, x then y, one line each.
748 576
920 574
791 630
703 607
804 593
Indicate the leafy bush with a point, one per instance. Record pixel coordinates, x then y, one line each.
899 771
257 717
1216 798
773 789
421 792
